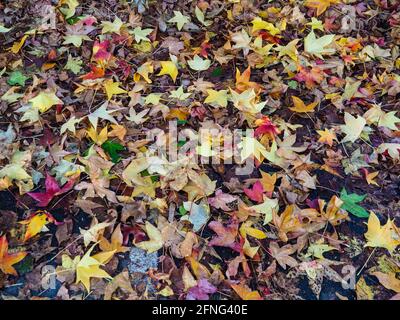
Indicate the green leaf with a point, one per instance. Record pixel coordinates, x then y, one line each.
350 203
74 64
17 78
112 148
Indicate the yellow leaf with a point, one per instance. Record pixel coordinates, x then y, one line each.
89 267
100 138
35 225
246 229
326 136
299 105
112 88
144 70
260 24
370 178
169 68
45 100
219 98
380 236
18 45
155 243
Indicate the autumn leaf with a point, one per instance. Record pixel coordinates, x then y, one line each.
245 293
36 224
350 203
326 136
52 190
380 236
115 244
89 267
155 239
320 5
169 68
112 88
95 230
179 19
299 105
317 46
352 127
7 260
45 100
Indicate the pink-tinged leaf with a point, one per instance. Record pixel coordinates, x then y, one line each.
52 190
201 291
220 200
256 193
226 236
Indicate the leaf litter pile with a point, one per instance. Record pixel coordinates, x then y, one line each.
89 209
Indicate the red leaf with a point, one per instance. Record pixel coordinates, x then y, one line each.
255 194
52 190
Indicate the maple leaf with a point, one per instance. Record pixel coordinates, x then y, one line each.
94 232
259 24
282 254
380 236
45 100
89 267
155 241
8 260
317 46
352 127
218 98
245 293
137 118
265 126
326 136
36 223
112 88
268 181
320 5
388 280
289 50
300 107
179 19
101 113
199 64
144 70
247 229
243 81
256 193
117 131
70 11
251 147
169 68
226 236
52 190
98 138
17 45
350 203
141 34
221 199
116 242
112 27
318 249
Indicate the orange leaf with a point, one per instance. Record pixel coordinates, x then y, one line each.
8 260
